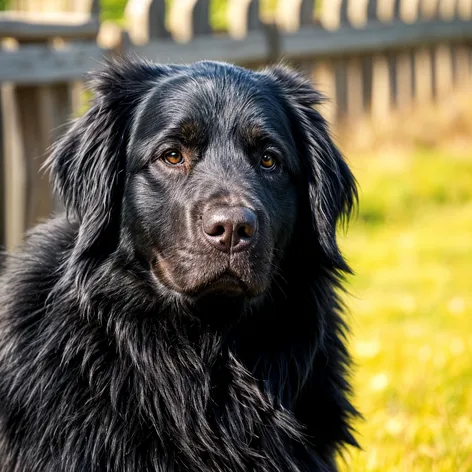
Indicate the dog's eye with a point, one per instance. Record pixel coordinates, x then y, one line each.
173 157
268 161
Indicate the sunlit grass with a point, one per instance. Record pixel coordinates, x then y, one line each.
411 312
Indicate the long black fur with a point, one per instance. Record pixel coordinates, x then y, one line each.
103 365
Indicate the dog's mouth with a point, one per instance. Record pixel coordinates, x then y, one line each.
228 284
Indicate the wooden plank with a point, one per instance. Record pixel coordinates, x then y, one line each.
371 74
429 9
409 10
189 18
35 124
31 26
35 64
145 20
243 17
375 38
381 94
3 235
341 90
292 14
462 66
354 88
404 80
464 9
254 48
15 171
444 70
447 9
341 66
331 13
387 10
423 75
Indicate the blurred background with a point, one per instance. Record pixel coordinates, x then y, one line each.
398 74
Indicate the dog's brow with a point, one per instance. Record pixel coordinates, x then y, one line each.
256 134
191 133
189 129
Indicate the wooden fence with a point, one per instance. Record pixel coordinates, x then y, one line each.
369 56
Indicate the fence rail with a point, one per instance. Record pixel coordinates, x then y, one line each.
369 56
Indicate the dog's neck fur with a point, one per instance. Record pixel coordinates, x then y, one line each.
187 373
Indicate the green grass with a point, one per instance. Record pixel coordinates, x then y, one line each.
411 312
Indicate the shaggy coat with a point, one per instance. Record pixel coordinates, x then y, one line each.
134 337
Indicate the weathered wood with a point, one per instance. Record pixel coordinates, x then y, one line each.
40 64
243 17
291 15
354 88
254 48
429 9
404 80
462 66
145 20
443 69
387 10
447 9
2 180
189 18
25 26
423 75
381 93
34 126
341 91
369 62
331 13
409 10
14 170
464 9
377 37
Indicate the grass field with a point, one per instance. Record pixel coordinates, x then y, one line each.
411 312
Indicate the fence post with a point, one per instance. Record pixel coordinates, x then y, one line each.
423 63
146 20
443 61
293 14
36 115
378 90
2 180
243 16
347 71
188 18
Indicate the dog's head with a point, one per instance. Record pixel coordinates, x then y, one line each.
205 174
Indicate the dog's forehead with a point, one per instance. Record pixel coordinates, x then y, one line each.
215 95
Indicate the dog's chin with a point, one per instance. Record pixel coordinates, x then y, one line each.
225 285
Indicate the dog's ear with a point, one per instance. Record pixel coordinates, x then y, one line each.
88 164
331 187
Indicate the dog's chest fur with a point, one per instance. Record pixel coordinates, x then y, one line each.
86 403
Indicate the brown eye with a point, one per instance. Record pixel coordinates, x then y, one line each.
173 157
268 161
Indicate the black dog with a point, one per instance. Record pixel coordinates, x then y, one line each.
183 315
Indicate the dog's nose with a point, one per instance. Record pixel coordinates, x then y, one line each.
230 229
